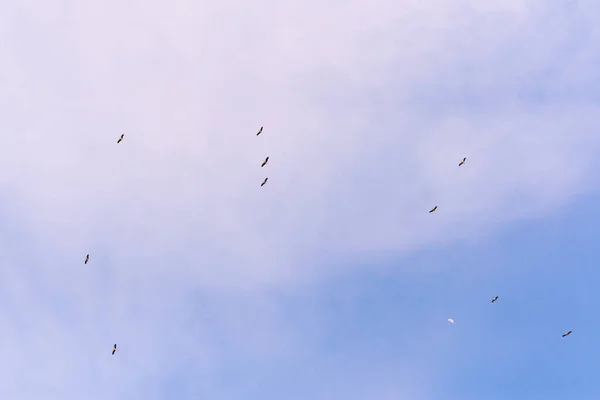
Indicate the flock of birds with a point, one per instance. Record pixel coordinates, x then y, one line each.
495 298
265 162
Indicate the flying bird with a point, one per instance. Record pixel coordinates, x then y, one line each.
450 320
259 131
566 334
463 161
265 181
120 139
494 299
433 209
265 162
87 258
114 349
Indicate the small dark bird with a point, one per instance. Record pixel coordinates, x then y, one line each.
463 161
566 334
265 181
87 258
114 349
265 162
259 131
433 209
494 299
120 139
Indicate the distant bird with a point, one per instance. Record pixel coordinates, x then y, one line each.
114 349
450 320
265 162
87 258
494 299
265 181
259 131
463 161
433 209
120 139
566 334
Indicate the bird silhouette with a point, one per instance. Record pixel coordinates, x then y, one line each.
120 139
566 334
87 258
114 349
463 161
265 162
494 299
433 209
259 131
264 182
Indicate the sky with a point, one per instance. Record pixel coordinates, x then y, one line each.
332 281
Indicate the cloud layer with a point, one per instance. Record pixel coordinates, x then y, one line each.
367 106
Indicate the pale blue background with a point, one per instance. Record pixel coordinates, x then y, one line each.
332 281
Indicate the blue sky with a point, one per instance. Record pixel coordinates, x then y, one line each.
332 281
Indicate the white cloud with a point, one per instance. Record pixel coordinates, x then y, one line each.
367 109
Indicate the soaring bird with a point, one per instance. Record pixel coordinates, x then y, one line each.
87 258
265 181
566 334
265 162
259 131
463 161
120 139
494 299
114 349
433 209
